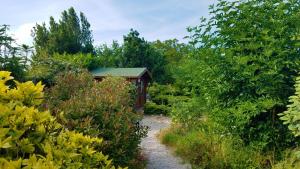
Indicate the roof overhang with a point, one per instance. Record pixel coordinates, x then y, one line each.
145 71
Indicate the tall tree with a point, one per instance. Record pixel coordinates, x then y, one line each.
173 51
13 58
137 52
110 56
71 34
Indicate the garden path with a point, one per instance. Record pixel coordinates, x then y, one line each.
157 154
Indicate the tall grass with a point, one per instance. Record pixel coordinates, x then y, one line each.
206 149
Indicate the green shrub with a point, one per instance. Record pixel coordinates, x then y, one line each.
101 109
187 113
168 89
153 108
161 99
291 117
30 138
45 67
67 85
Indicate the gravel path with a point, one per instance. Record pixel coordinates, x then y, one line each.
158 155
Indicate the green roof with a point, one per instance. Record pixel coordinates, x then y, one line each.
123 72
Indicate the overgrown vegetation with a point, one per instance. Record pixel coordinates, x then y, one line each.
34 139
102 109
239 76
230 91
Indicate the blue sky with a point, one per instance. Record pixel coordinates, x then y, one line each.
110 19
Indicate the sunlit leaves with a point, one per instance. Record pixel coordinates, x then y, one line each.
291 117
30 138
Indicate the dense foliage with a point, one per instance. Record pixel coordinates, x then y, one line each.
45 68
34 139
71 34
173 51
250 51
239 76
137 52
224 91
159 99
134 52
100 109
110 56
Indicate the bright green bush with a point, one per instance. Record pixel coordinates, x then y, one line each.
101 109
30 138
291 117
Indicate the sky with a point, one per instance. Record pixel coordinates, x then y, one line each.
109 19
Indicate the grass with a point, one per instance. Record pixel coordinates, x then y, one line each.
208 150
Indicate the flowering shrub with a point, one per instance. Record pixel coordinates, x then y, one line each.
100 109
30 138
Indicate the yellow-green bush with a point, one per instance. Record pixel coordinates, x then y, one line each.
30 138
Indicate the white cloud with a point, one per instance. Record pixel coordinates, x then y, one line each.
22 34
105 16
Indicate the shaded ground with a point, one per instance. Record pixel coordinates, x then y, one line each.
158 155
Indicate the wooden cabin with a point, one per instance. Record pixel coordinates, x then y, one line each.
139 76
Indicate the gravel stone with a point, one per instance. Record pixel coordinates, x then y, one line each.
157 154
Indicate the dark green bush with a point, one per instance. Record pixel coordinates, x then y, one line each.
161 99
153 108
